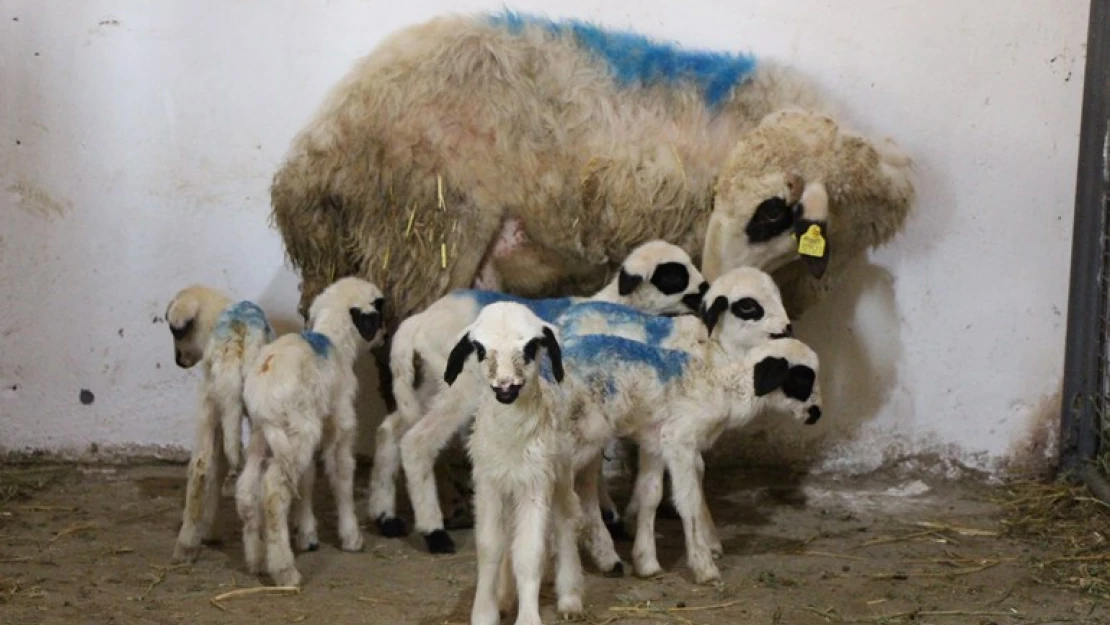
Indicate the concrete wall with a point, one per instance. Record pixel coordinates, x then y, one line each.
137 141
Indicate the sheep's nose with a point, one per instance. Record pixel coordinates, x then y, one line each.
507 393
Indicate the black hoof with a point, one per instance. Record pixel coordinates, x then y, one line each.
313 546
391 527
439 541
616 571
608 516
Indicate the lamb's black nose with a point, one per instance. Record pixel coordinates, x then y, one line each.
814 415
507 394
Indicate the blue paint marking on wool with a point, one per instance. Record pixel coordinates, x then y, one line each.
605 352
318 342
545 309
635 59
245 313
656 327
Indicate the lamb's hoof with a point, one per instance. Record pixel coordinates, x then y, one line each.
185 554
312 546
439 541
717 551
569 607
287 577
391 527
648 569
353 542
707 576
616 571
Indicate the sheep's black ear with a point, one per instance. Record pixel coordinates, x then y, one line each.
179 333
368 323
554 352
457 359
799 383
770 373
711 314
628 282
671 278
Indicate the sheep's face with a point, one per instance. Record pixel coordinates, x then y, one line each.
360 300
659 278
784 377
506 338
191 314
762 220
744 308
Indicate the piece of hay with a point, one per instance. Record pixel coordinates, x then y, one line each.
251 592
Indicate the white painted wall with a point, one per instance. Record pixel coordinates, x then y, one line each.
137 141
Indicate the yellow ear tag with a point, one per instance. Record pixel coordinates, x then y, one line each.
812 243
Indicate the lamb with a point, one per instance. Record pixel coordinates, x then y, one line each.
657 277
300 393
207 327
522 455
675 404
533 153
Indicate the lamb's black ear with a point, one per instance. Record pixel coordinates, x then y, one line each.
628 282
457 359
770 373
554 352
711 314
379 304
368 323
799 383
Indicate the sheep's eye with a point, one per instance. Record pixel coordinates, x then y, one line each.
179 333
480 351
747 308
530 350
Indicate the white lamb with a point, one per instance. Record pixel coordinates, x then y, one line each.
207 327
521 449
300 394
657 277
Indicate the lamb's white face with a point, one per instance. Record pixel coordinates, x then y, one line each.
743 308
361 300
506 338
190 315
784 377
659 278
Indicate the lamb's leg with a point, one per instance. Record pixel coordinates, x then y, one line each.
419 448
648 491
489 538
307 539
276 495
599 542
231 425
506 585
383 478
339 461
689 501
529 539
202 470
609 514
568 575
247 491
714 540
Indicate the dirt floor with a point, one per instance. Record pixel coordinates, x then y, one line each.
92 545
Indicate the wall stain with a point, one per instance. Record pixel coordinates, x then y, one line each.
36 201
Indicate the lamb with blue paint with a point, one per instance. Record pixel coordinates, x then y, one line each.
300 393
207 327
657 277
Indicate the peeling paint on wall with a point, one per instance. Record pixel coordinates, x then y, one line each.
38 202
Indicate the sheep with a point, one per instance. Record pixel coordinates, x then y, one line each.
657 277
521 451
207 327
532 153
675 404
300 393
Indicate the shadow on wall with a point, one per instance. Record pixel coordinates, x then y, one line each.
856 378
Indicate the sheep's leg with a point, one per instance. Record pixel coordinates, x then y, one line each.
529 540
710 528
383 478
689 501
506 585
489 538
648 492
247 502
307 539
202 470
419 448
599 542
339 461
568 575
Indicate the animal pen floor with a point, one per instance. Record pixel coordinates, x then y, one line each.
92 545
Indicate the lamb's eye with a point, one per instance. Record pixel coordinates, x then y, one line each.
179 333
747 308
